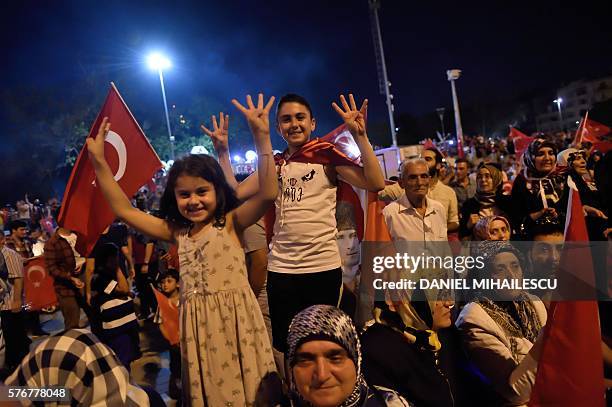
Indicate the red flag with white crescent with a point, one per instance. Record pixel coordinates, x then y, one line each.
38 285
132 160
520 140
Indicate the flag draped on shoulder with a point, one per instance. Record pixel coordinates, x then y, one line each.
336 148
132 161
38 285
570 369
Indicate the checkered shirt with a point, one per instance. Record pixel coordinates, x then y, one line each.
77 360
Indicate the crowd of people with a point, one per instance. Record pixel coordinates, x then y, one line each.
267 275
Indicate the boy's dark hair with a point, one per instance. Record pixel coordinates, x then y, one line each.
292 97
102 255
169 273
16 224
463 160
544 228
202 166
439 156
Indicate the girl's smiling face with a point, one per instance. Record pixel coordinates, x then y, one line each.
195 198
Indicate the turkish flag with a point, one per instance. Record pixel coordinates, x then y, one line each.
570 369
130 157
38 285
169 326
520 140
590 131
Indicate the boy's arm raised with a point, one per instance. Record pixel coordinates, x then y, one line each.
220 136
114 195
369 177
258 118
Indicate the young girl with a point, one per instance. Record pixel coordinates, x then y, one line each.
224 347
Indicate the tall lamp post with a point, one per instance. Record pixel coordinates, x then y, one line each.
159 62
558 101
453 75
440 112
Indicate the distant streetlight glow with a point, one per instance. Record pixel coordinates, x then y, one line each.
558 101
237 158
159 62
250 156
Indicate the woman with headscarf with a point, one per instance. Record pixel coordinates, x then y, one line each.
590 195
324 354
492 228
488 201
501 329
538 191
402 349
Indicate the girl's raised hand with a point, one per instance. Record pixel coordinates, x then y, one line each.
353 118
257 116
219 134
95 145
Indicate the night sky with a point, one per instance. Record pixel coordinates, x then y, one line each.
224 49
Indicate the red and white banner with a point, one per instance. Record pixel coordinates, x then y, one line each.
130 157
38 285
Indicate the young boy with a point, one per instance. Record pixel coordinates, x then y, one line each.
304 263
169 286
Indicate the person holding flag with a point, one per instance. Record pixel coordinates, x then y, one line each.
222 332
304 263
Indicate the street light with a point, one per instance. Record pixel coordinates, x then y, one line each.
558 101
453 75
158 62
440 112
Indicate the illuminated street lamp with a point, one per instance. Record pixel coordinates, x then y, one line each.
159 62
558 101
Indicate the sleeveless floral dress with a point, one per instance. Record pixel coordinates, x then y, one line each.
225 349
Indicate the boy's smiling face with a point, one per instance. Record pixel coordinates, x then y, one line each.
295 124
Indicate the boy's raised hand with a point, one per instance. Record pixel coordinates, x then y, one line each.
219 135
257 116
353 118
95 145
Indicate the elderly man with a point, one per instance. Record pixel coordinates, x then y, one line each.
436 190
415 216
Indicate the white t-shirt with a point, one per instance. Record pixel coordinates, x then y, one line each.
304 238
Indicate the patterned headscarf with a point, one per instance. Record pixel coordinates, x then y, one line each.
481 229
518 318
324 322
530 154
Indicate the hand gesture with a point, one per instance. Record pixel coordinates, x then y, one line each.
257 117
219 134
353 118
95 145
